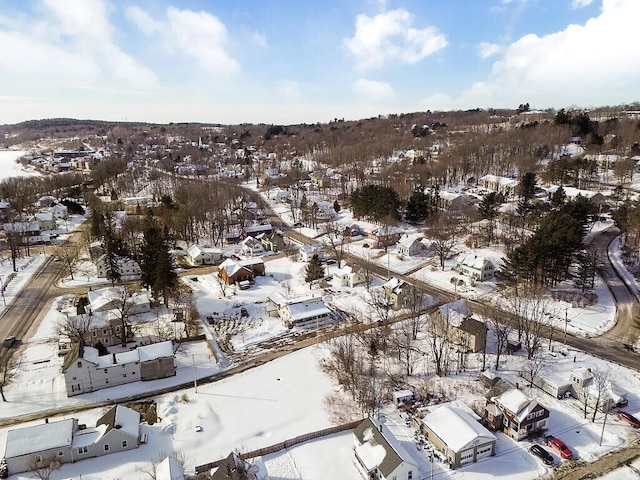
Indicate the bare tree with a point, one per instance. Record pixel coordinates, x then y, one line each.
501 332
335 239
439 343
534 365
76 327
531 315
443 234
594 390
367 267
45 467
9 366
120 298
68 256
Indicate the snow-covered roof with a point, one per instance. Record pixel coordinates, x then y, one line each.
121 418
140 354
310 308
456 427
258 228
169 469
371 454
231 267
38 438
472 260
88 436
400 394
572 192
455 312
344 271
516 402
407 240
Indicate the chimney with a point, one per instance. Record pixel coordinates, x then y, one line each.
114 358
380 427
517 386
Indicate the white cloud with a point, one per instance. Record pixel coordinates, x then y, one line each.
486 50
71 44
597 63
390 37
372 89
575 4
143 20
199 35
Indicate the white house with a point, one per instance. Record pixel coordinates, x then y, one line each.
304 311
197 255
379 455
410 245
453 202
46 220
63 441
499 184
86 371
127 267
60 211
476 267
456 432
306 252
348 277
251 247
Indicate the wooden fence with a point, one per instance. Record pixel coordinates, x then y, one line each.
282 445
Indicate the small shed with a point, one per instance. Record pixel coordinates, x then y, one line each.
401 397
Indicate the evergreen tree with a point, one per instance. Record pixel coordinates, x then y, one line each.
586 272
527 186
375 202
314 270
156 264
417 208
558 197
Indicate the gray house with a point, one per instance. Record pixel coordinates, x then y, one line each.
63 441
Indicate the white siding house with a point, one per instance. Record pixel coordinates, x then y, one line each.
86 371
476 267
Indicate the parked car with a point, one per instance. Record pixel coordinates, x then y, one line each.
540 452
627 417
9 341
559 446
244 312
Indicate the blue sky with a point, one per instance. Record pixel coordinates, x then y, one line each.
291 61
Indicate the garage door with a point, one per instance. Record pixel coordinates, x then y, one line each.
484 451
466 456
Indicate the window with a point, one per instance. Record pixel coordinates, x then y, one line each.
105 370
94 333
82 450
409 474
38 459
74 378
60 453
79 364
106 447
104 331
124 375
106 380
124 444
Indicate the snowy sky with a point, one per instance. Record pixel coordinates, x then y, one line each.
279 61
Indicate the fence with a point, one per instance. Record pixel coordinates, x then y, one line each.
282 445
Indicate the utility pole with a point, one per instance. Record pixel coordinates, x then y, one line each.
193 366
566 321
603 424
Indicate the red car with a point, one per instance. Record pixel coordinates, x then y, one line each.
627 417
559 446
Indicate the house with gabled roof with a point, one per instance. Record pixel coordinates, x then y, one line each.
64 441
85 370
476 267
273 242
348 277
235 271
455 430
198 255
516 414
251 246
397 293
379 455
466 332
410 245
127 267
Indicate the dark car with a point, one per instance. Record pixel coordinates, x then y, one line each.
559 446
627 417
540 452
244 312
